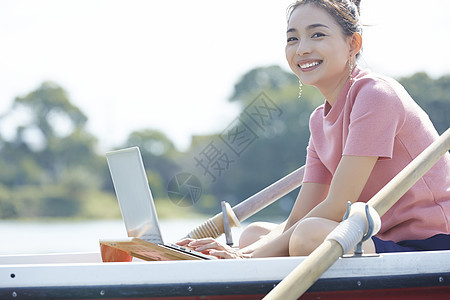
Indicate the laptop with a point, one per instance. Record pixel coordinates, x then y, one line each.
138 208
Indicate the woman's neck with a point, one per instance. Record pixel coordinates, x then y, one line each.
331 91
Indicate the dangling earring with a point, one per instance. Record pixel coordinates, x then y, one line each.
350 69
299 89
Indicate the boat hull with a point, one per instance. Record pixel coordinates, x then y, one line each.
421 275
224 291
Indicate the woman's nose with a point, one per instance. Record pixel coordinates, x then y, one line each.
303 47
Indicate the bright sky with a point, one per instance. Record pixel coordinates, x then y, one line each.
172 65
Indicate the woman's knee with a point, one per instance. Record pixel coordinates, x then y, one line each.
254 232
308 235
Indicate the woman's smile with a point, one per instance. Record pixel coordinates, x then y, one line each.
309 65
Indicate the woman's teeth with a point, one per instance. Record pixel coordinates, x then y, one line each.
309 65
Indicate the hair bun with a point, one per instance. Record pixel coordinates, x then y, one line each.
357 3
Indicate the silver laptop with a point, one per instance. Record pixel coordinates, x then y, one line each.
135 198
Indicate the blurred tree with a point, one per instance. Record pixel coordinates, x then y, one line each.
271 78
18 165
50 166
8 208
55 133
159 155
51 109
432 95
47 148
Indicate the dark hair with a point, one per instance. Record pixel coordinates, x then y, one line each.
345 12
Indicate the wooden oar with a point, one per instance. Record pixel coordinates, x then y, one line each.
304 276
214 226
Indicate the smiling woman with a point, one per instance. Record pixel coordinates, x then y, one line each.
367 130
316 37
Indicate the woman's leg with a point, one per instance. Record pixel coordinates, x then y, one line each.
254 232
311 232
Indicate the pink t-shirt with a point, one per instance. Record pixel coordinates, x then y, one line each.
375 116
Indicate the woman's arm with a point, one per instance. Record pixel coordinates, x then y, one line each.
309 196
275 243
273 234
348 182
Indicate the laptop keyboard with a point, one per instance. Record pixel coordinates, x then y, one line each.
190 251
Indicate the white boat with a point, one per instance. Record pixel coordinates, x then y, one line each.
413 275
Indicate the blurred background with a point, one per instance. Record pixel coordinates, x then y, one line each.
201 87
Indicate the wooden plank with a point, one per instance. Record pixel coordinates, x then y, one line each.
145 250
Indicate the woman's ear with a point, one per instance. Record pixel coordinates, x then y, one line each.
355 43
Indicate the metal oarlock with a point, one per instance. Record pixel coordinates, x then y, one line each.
226 224
370 230
215 226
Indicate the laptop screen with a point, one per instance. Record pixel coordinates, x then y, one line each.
134 195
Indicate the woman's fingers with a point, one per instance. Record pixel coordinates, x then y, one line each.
200 244
216 249
221 254
203 241
224 254
212 245
203 244
184 242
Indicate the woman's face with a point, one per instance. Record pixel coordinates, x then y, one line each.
317 51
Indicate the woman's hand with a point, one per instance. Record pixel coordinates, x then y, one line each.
212 247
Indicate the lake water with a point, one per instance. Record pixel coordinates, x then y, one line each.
17 237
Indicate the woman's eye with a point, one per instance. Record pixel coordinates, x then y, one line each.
317 35
291 39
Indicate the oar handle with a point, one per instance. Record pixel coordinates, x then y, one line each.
406 178
270 194
304 275
213 227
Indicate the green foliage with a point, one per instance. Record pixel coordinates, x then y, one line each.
49 105
7 206
53 177
167 210
271 78
100 204
432 95
51 169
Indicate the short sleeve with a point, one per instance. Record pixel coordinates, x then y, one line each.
315 170
375 119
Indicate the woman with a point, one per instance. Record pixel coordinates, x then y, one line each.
367 130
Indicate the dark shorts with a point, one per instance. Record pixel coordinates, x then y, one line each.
436 242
